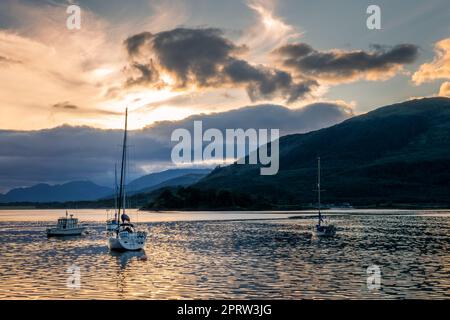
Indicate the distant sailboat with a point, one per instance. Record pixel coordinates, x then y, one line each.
125 237
111 223
322 229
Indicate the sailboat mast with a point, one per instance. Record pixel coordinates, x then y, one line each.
318 188
115 189
122 171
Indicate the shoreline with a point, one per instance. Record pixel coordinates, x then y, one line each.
243 211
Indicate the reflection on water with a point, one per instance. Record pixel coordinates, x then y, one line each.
267 259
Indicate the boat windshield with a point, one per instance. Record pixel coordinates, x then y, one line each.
65 223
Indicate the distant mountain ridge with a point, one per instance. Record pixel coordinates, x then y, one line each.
89 191
71 191
153 179
179 181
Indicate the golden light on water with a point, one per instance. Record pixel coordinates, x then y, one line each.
204 255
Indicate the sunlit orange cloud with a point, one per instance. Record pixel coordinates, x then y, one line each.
42 77
439 68
54 65
45 67
445 89
52 76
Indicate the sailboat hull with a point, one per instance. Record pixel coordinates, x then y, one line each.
57 232
127 242
325 231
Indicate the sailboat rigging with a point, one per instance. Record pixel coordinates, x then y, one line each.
322 229
111 223
125 237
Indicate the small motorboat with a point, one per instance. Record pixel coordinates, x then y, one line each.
66 226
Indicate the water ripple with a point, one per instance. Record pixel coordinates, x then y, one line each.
265 259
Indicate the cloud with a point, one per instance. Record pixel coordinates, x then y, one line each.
265 83
204 58
72 153
445 89
65 105
268 31
439 68
54 62
68 107
345 66
6 60
189 55
143 74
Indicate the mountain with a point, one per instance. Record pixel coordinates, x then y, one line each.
89 191
184 180
398 154
146 182
71 191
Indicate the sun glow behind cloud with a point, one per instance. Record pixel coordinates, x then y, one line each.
138 120
146 106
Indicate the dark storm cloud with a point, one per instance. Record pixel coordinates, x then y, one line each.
342 65
83 153
265 83
194 54
199 53
205 58
134 43
145 74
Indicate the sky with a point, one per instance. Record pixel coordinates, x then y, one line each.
52 75
168 60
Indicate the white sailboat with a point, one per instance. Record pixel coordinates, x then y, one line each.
126 236
322 228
